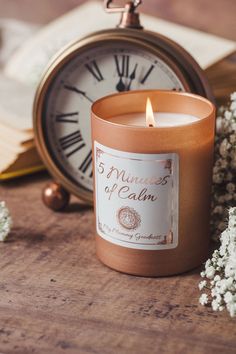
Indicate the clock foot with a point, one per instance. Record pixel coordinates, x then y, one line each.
55 196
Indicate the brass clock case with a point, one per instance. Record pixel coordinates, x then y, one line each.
183 65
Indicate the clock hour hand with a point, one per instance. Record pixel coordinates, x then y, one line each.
132 77
120 86
75 89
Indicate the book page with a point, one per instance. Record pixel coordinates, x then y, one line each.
15 163
13 33
30 61
16 104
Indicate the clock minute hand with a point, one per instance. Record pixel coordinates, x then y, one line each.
132 77
75 89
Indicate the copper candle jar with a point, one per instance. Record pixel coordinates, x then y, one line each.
152 184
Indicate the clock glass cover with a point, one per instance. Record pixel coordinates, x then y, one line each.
96 72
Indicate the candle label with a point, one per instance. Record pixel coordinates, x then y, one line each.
137 197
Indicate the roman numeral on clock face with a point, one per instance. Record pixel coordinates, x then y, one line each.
148 72
74 140
94 70
86 165
122 65
67 117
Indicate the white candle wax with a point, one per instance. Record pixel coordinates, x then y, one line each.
162 119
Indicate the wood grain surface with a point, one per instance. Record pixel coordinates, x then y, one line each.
55 296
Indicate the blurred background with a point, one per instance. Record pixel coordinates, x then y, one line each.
27 44
213 16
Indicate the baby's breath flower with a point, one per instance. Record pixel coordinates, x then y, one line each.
218 209
228 115
215 305
210 272
232 138
229 282
224 148
233 105
203 299
228 297
229 176
224 170
218 178
220 272
219 125
230 187
231 306
5 221
233 96
202 284
232 218
220 262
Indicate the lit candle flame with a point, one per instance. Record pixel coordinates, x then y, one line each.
150 121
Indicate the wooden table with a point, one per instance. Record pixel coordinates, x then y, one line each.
56 297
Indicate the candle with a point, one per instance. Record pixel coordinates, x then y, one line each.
161 119
152 180
157 119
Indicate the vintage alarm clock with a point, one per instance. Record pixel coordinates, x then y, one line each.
114 60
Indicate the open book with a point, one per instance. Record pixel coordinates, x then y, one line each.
24 68
18 154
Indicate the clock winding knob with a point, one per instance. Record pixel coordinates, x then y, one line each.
129 16
55 196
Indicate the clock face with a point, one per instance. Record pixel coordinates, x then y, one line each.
86 77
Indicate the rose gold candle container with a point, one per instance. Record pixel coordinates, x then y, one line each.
193 144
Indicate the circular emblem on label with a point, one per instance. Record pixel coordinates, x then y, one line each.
128 218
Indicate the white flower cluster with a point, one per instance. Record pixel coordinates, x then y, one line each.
220 272
224 171
5 221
